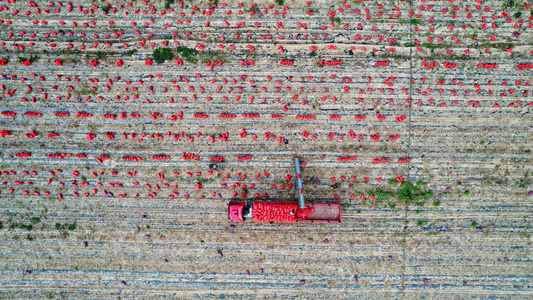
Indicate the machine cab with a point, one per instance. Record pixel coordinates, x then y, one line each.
239 210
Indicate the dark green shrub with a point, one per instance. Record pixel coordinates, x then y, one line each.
189 54
414 22
382 195
71 226
33 58
509 4
168 3
335 20
162 54
410 193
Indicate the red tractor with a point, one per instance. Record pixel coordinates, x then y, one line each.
263 211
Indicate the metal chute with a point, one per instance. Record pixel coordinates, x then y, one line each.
299 183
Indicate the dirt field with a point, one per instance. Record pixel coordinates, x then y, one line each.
110 186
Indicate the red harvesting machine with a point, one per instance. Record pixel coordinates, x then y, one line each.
263 211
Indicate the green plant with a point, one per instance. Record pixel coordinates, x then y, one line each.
189 54
393 182
312 54
436 202
410 193
335 20
162 54
524 182
407 194
500 45
422 223
414 22
99 55
434 45
71 226
383 195
407 44
106 8
467 192
33 58
204 180
280 2
168 3
131 52
509 4
13 225
212 56
475 224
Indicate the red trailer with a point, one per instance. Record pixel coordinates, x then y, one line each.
262 211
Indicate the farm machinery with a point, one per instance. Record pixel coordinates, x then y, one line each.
268 211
